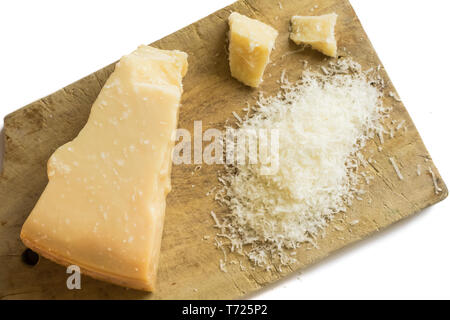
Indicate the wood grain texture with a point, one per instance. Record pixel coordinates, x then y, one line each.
189 265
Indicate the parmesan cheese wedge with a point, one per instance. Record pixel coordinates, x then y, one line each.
251 43
317 31
103 207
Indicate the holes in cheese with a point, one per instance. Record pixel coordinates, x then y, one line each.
103 208
317 31
251 43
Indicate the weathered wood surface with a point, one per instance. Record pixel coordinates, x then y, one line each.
189 264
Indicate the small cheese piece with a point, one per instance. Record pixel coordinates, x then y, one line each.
103 208
317 31
251 42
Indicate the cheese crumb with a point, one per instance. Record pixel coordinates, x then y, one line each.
397 170
222 266
437 190
251 42
317 31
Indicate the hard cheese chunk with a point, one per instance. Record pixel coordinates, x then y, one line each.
103 208
251 42
317 31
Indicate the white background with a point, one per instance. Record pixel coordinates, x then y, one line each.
46 45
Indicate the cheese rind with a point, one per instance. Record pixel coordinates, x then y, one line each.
103 208
317 31
251 43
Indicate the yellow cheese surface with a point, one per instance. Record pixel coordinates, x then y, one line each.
317 31
251 42
103 207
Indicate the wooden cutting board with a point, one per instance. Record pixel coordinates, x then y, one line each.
189 266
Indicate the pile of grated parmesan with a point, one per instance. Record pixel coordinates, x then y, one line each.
323 122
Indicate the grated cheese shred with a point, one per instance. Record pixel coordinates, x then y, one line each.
397 170
324 120
437 189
